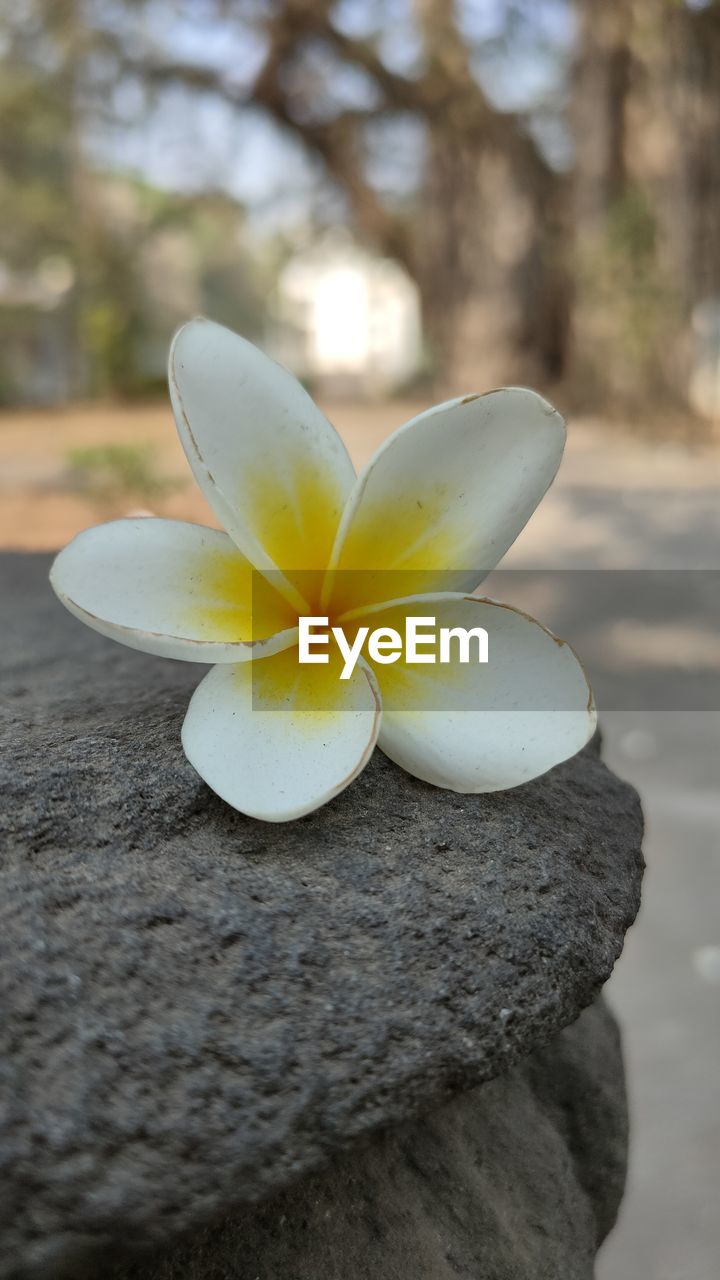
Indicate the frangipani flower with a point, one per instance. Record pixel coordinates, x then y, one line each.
431 514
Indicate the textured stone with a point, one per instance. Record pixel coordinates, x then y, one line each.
199 1007
519 1179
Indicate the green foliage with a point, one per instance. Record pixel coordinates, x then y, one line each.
628 304
630 273
113 473
34 164
137 261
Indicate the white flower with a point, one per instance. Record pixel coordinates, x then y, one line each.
431 514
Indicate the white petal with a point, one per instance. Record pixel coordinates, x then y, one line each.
171 588
271 465
251 733
483 727
443 499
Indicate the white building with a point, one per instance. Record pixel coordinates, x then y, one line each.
348 318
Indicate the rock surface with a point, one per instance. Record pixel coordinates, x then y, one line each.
519 1179
199 1007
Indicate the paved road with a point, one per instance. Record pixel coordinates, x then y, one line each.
656 511
666 991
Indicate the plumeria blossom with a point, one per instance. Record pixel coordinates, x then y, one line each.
435 509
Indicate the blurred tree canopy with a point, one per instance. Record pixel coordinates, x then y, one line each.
547 171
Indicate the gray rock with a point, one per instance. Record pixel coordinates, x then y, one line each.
519 1179
199 1007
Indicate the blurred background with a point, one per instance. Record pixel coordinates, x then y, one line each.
404 200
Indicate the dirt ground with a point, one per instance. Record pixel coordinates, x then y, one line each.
38 508
40 511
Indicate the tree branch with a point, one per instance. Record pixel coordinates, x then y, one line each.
447 96
335 141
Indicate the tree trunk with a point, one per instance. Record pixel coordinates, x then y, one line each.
647 195
491 270
489 237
